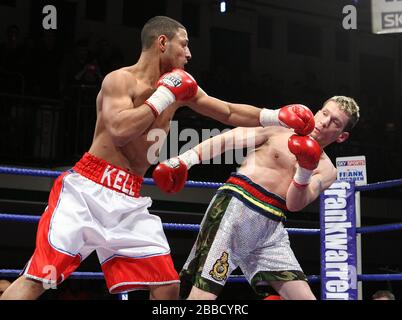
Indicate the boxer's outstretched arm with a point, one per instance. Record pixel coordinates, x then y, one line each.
237 138
171 175
123 121
233 114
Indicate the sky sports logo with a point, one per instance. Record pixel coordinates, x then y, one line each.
391 20
344 163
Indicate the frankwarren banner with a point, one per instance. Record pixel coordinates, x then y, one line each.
338 242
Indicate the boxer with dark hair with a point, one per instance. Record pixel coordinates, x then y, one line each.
97 206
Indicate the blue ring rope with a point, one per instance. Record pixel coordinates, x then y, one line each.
189 184
55 174
232 278
380 185
196 227
380 228
167 226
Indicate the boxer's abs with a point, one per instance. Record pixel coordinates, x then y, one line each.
138 154
271 166
135 157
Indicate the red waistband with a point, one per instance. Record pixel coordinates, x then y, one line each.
108 175
257 191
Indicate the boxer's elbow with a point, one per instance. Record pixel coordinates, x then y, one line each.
294 207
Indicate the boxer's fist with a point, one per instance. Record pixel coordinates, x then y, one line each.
306 150
308 153
170 175
177 85
295 116
298 117
180 83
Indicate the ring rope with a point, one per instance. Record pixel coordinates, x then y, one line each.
196 227
380 228
55 174
167 226
380 185
190 183
232 278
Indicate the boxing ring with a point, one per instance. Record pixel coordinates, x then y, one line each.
339 253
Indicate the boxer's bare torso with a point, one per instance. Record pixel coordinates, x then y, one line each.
132 156
272 165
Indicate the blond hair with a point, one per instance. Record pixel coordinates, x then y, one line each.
350 107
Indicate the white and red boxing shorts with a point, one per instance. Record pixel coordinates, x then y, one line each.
96 206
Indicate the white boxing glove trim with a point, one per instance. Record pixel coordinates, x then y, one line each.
161 99
270 118
190 158
302 176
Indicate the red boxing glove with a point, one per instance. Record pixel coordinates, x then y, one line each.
308 153
172 86
295 116
306 150
298 117
170 175
180 83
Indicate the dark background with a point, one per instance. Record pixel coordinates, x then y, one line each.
266 53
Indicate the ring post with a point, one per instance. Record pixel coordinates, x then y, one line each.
359 245
353 168
338 242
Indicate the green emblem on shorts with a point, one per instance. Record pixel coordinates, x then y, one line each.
221 267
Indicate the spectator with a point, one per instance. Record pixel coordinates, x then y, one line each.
383 295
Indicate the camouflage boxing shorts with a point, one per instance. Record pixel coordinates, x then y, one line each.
241 228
